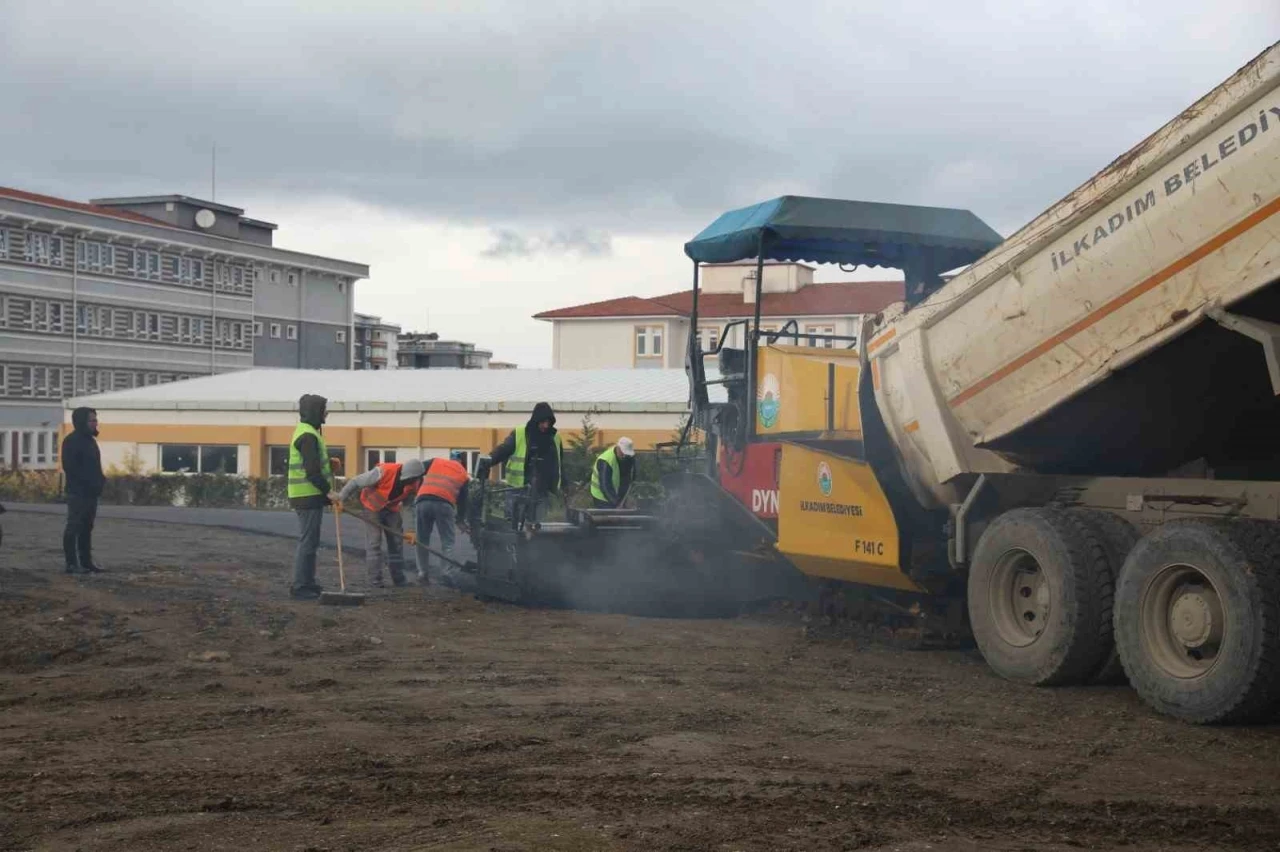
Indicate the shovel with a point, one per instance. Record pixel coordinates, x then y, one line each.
342 598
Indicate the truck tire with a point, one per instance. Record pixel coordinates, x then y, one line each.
1198 620
1118 537
1038 597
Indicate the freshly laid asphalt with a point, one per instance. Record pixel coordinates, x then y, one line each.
282 524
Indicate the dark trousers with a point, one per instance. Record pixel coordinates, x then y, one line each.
77 539
393 538
304 558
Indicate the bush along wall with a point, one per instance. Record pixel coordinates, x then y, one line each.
125 489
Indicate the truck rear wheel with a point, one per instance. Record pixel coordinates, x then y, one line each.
1118 537
1198 620
1039 597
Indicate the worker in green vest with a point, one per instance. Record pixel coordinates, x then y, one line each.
612 474
310 491
533 455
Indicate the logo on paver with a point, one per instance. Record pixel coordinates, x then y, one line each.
769 400
824 478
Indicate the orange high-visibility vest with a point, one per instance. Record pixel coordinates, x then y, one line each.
444 479
378 497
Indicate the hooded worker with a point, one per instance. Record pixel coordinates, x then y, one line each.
533 457
310 491
384 488
612 474
82 467
441 501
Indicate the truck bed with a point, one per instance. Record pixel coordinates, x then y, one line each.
1083 343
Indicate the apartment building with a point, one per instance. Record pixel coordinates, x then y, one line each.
426 351
375 343
123 293
652 332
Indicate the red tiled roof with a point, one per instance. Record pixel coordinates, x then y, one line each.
50 201
838 299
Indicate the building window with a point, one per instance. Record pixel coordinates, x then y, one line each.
649 341
277 461
342 335
257 328
342 285
36 248
275 330
708 338
179 458
338 459
472 456
815 336
193 458
292 277
375 457
291 332
274 276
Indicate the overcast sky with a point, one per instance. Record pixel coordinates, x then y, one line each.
493 159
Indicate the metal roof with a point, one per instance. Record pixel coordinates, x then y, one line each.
642 391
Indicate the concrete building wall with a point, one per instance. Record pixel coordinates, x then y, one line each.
93 302
611 344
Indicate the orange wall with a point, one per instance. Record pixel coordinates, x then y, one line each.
355 439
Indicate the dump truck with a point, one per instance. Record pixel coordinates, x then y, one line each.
1066 442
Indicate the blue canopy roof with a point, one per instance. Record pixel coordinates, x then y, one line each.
923 241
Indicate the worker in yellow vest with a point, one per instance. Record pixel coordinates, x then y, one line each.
612 474
533 455
310 491
384 488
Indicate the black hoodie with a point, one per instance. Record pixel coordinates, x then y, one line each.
311 410
81 460
541 449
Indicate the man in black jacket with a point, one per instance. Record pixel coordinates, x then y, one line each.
82 466
533 457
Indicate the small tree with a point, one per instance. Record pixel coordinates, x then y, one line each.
581 451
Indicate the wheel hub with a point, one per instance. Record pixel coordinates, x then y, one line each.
1021 598
1183 621
1191 618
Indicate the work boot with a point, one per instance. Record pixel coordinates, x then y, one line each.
306 593
91 568
73 568
377 582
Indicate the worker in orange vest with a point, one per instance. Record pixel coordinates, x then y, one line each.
383 490
442 499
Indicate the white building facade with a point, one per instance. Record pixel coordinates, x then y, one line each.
651 333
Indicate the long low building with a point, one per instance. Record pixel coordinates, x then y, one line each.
242 422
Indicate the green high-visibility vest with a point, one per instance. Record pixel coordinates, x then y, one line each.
609 456
515 464
299 485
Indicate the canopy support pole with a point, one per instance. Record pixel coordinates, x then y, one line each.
693 315
753 344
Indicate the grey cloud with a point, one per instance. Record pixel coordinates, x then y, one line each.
509 244
601 117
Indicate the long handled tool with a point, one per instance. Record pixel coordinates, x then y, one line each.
412 539
342 598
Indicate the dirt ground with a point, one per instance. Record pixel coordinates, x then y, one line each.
181 701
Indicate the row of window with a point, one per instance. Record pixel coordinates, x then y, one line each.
30 449
42 249
278 458
34 381
53 316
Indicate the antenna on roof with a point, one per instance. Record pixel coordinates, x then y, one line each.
213 175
